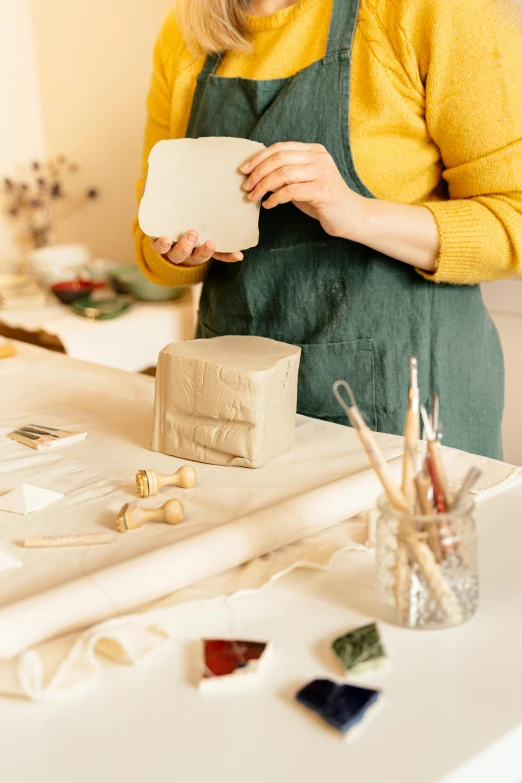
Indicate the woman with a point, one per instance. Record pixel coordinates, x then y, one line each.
392 186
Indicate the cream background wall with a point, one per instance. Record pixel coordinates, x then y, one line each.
94 65
504 301
21 125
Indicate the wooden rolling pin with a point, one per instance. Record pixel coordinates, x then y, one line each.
171 513
149 483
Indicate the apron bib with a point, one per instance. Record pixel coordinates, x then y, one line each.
356 313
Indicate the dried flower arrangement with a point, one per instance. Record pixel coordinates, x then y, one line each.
45 199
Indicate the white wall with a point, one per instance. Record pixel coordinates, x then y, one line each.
94 65
21 127
504 301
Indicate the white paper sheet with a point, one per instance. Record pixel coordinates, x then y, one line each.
7 560
26 499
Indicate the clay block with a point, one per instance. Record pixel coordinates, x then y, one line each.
226 400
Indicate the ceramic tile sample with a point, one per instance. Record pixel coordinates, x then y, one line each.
7 560
226 400
345 707
196 184
361 650
225 660
27 498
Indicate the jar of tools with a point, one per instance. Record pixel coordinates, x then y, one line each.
427 575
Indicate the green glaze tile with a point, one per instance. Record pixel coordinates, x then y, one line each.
361 650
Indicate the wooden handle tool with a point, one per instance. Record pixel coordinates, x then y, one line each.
149 483
87 539
411 435
379 464
171 513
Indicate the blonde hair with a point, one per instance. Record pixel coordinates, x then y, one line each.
210 26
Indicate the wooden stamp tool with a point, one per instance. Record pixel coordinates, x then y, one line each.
149 483
171 513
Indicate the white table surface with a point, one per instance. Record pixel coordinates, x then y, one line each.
453 709
130 342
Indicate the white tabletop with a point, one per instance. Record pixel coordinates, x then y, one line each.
453 709
129 342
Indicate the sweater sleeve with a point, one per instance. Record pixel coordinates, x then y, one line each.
469 56
170 51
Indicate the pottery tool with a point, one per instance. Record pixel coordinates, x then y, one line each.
171 513
379 464
435 407
88 539
436 459
470 479
422 488
411 435
420 551
40 437
149 483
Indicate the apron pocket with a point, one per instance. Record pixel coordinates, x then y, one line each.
322 365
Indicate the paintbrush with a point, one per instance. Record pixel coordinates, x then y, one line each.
411 435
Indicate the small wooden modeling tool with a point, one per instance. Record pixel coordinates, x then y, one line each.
149 483
379 464
438 467
171 513
469 481
411 435
88 539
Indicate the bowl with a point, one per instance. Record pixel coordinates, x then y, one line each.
69 291
59 256
99 270
128 279
101 309
57 263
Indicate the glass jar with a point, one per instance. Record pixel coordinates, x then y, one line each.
427 573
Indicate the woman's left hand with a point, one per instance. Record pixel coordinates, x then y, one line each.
306 175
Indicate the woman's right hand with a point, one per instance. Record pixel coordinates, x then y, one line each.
186 253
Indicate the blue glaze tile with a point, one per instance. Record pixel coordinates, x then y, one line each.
342 706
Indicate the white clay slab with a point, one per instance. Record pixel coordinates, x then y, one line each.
7 560
196 184
27 498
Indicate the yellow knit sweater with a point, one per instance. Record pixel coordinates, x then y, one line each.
435 116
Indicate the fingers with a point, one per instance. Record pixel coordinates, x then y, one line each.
161 245
280 161
229 258
179 252
285 176
304 192
284 146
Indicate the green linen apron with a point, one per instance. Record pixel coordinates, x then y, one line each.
356 313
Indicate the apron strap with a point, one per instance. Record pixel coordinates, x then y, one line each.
342 25
211 64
